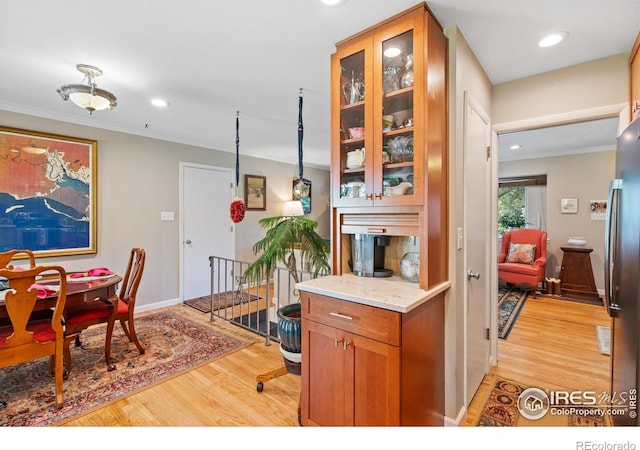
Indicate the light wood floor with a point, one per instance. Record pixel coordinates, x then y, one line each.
221 393
551 345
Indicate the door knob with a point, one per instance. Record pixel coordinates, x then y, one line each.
188 242
471 275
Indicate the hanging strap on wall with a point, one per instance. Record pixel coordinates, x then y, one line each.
300 133
237 151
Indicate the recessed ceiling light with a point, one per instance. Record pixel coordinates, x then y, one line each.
553 39
160 103
333 2
515 147
392 52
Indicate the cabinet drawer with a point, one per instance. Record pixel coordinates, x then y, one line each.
368 321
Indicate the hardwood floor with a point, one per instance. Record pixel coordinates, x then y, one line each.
552 345
221 393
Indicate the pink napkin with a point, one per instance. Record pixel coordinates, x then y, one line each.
97 272
43 290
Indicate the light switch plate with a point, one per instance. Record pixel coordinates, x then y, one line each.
166 215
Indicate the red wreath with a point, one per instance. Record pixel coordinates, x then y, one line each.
236 210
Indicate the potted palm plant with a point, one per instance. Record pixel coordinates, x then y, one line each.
285 235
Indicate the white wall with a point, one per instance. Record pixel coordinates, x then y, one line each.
138 178
465 75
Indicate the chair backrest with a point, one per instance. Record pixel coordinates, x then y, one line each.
132 277
20 301
526 236
8 256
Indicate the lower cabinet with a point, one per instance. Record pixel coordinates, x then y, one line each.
368 366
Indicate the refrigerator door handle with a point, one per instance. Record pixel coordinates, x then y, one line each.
611 247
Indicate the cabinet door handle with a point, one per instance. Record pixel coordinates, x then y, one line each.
378 196
341 316
369 196
635 107
337 341
346 344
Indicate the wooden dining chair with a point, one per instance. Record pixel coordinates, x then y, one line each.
25 339
80 316
7 257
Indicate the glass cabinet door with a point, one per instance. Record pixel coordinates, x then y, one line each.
395 135
354 97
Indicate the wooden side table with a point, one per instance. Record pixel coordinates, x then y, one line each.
576 274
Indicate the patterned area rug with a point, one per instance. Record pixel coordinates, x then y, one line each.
174 344
510 302
221 300
500 409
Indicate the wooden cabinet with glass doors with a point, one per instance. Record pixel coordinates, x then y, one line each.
389 138
382 116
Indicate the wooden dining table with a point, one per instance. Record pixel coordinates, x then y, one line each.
79 290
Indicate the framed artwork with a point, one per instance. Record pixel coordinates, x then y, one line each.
569 205
299 194
47 193
255 192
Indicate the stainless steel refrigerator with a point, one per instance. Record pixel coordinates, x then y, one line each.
622 276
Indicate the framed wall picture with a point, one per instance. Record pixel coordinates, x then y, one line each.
569 205
303 194
255 192
47 193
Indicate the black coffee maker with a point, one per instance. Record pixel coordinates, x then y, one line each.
367 255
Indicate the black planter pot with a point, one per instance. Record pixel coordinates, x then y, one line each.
289 327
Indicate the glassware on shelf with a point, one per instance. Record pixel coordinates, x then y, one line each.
400 149
353 90
406 79
391 78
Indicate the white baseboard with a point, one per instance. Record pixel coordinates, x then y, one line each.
158 305
462 415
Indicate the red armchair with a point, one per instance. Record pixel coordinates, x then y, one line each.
520 268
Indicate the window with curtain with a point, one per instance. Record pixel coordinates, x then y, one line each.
522 202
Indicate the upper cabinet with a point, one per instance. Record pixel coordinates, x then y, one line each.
380 113
634 90
389 141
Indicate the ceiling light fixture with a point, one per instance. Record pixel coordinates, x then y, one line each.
160 103
515 147
333 2
88 96
392 52
553 39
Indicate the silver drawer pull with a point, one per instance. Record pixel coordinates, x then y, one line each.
342 316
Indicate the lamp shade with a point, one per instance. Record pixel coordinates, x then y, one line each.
82 96
88 96
293 208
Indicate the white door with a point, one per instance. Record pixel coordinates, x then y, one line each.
206 228
477 201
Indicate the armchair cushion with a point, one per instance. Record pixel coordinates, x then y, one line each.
521 253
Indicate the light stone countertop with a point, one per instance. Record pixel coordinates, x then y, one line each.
391 293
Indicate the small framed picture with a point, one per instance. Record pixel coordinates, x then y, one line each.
255 192
569 205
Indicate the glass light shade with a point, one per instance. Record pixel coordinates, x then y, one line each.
293 208
84 96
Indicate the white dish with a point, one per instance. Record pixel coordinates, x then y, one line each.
356 166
